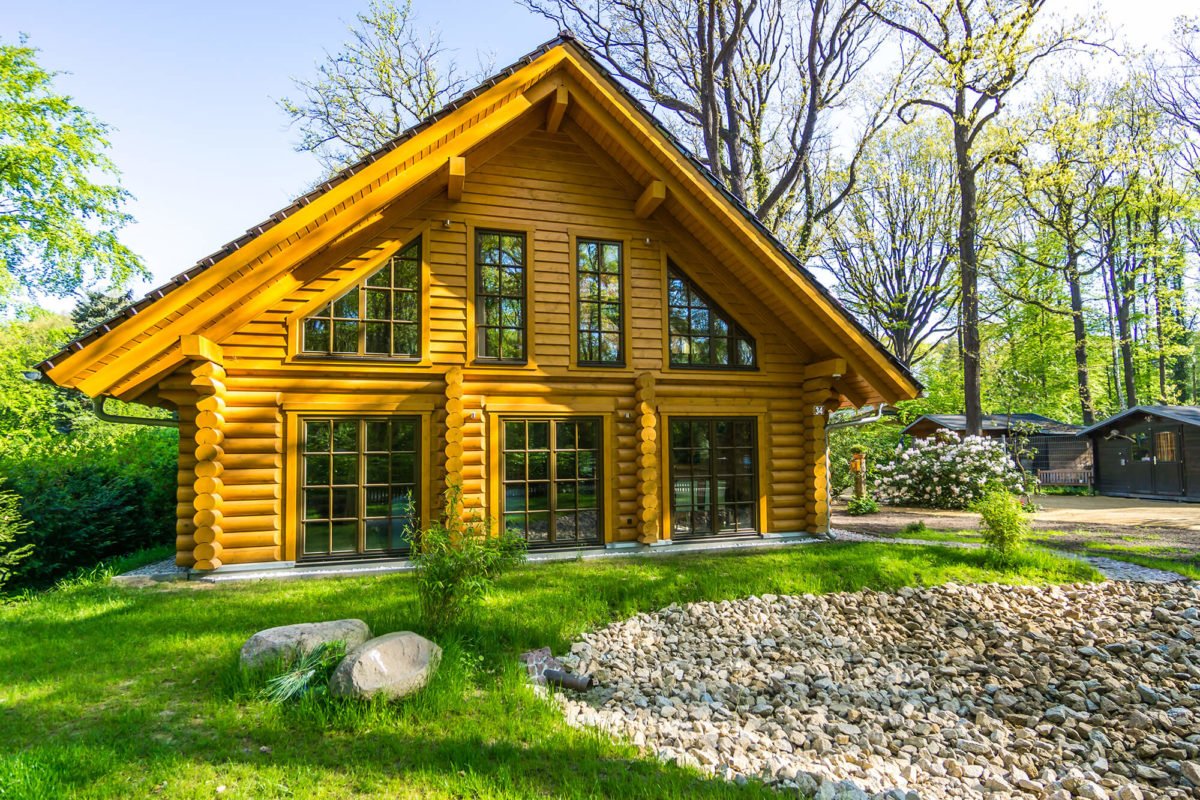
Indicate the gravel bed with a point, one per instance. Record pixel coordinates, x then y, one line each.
1089 691
159 569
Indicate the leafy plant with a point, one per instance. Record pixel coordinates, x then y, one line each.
457 562
859 506
946 472
1005 524
13 528
307 674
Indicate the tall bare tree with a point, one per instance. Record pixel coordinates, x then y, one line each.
384 78
978 52
1176 88
892 246
750 86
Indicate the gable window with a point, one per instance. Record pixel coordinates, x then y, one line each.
500 295
598 276
381 316
702 334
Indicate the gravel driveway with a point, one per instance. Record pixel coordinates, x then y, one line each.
956 691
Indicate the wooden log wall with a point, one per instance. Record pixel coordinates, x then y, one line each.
209 438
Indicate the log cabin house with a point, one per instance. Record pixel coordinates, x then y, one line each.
535 296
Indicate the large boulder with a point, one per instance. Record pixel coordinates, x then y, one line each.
287 641
392 665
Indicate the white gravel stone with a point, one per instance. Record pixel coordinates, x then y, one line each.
1088 691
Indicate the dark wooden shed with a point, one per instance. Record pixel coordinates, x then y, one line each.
1148 451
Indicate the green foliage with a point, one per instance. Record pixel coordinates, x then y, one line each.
875 439
58 220
90 490
915 528
1005 524
13 529
860 506
457 562
305 675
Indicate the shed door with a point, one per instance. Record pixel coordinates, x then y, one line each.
1168 461
1141 462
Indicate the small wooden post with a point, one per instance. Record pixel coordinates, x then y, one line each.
858 466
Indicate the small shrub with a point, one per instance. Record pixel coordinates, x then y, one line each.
946 472
305 675
859 506
457 562
1005 524
13 527
915 527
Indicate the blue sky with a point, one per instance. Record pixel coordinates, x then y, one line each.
190 89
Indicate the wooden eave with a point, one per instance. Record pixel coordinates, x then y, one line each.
128 355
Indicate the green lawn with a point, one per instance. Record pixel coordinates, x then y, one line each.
118 692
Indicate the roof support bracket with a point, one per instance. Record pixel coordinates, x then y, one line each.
558 108
456 177
652 197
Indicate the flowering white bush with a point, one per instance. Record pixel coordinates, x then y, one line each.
946 472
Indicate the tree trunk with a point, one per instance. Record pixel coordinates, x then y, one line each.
1081 355
968 271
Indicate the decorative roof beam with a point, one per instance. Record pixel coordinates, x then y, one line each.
652 197
558 107
830 368
457 177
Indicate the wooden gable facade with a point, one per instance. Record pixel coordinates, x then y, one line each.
535 299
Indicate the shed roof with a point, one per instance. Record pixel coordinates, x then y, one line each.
1188 415
1000 422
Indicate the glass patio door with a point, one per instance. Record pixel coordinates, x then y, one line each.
714 476
551 480
360 479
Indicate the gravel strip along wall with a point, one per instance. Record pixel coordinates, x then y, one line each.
1088 691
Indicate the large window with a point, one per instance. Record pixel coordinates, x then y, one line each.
703 335
500 295
551 477
360 485
714 485
379 317
598 276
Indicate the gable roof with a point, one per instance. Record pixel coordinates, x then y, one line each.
999 422
1188 415
79 363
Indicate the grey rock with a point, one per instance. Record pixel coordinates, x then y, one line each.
393 665
287 641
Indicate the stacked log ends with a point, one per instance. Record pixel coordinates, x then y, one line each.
818 392
646 424
454 434
208 382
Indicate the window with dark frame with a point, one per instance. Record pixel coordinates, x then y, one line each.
360 479
714 476
379 317
500 296
702 335
599 274
551 480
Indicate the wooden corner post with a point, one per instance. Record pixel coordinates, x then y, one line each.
648 526
819 396
208 383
